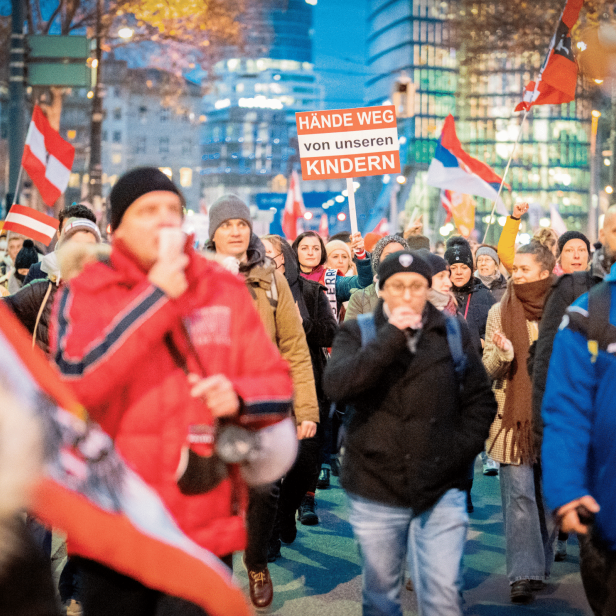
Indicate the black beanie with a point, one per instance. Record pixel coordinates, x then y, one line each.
27 256
436 263
572 235
403 261
459 251
134 184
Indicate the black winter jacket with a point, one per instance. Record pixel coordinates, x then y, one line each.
35 273
480 303
564 292
414 432
320 325
26 304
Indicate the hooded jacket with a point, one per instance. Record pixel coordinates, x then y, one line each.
109 341
275 304
319 323
415 429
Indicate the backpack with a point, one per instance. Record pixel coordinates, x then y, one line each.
367 328
601 334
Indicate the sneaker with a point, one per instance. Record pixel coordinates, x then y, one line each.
260 586
288 527
307 513
323 482
490 467
73 608
561 551
273 551
521 592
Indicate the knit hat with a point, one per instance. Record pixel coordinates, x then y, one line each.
572 235
371 239
338 245
459 251
73 226
228 207
401 262
488 251
380 247
417 242
436 263
135 184
27 256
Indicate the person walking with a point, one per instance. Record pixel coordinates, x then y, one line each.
473 297
231 238
511 328
161 345
421 414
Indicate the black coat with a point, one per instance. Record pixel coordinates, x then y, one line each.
35 273
414 432
320 325
26 304
480 303
564 292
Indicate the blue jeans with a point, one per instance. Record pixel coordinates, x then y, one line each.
433 543
530 530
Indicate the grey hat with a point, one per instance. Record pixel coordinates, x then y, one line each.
228 207
379 247
488 251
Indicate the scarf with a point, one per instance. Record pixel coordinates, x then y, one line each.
315 275
488 280
443 302
521 303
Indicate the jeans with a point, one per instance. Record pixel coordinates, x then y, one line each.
530 530
433 543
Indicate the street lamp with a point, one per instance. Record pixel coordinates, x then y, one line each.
125 32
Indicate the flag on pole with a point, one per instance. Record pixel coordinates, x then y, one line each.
453 169
324 226
109 513
47 158
382 228
558 77
446 203
31 223
294 208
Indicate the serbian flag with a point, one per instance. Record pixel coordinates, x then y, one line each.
558 77
294 208
109 513
47 158
453 169
31 223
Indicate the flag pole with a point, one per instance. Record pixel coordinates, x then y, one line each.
18 185
500 188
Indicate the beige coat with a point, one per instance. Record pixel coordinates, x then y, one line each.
284 326
497 364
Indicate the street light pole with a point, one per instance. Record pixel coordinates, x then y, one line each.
16 99
96 126
594 198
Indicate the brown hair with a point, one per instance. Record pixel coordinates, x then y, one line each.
274 240
546 237
543 255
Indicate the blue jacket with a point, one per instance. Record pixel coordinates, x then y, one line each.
364 278
579 442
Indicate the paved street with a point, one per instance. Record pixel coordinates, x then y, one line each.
319 575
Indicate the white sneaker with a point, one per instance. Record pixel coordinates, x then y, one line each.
490 467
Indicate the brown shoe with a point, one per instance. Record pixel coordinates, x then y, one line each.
261 588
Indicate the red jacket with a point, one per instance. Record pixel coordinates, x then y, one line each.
107 340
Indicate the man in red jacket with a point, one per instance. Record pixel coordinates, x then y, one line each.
160 347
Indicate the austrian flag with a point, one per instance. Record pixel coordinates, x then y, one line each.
47 158
31 223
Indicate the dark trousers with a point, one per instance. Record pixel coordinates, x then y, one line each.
260 520
105 592
301 478
595 568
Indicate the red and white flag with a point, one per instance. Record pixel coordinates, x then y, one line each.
31 223
293 209
382 228
558 78
47 158
324 226
447 204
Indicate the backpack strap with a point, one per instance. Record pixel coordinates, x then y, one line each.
367 328
600 332
272 293
454 340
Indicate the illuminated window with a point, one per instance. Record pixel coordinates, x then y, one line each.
186 177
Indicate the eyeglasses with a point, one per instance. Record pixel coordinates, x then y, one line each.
397 289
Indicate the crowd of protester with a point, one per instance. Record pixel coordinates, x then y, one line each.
396 365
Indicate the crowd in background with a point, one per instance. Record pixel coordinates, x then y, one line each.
406 364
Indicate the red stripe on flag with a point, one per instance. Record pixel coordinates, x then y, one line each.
112 540
32 213
28 232
54 143
572 12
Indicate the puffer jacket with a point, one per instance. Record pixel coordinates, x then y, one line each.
363 301
110 340
274 302
27 303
